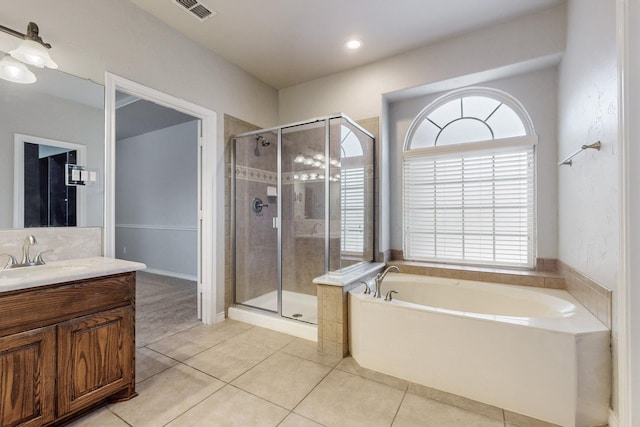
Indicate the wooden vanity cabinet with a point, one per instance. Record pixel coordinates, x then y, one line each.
69 347
27 378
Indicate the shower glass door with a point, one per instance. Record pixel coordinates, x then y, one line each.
304 226
255 201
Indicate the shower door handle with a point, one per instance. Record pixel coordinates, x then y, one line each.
276 222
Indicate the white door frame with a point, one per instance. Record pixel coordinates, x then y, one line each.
208 153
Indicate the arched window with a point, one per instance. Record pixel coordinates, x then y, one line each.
469 181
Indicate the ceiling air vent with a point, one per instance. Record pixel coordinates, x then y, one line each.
196 9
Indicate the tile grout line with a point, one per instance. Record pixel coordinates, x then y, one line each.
399 406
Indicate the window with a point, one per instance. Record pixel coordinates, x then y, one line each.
352 193
469 181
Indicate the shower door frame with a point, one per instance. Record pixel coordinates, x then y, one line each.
327 230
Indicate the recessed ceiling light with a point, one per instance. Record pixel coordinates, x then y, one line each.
353 44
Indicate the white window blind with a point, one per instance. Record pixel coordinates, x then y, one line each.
352 210
470 207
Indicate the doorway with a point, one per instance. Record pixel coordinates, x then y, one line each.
157 212
207 273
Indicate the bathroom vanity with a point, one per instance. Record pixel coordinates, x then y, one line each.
67 339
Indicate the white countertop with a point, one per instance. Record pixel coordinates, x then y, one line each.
63 271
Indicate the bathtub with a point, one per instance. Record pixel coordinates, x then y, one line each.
532 351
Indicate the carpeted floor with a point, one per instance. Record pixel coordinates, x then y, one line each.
164 306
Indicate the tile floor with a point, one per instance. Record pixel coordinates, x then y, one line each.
235 374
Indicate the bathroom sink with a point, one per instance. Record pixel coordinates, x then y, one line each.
63 271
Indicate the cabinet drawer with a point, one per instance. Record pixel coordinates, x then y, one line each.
44 306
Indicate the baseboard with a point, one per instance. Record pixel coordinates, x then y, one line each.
613 419
220 317
170 274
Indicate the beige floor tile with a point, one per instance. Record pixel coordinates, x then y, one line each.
183 345
348 364
455 400
100 418
268 337
230 407
419 411
295 420
149 363
282 379
309 350
343 399
230 359
165 396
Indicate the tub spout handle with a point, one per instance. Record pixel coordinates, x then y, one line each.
389 296
367 289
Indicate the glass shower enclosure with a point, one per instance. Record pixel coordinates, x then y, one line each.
302 206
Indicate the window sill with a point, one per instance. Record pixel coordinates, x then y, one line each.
534 278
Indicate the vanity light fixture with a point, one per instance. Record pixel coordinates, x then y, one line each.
15 71
32 51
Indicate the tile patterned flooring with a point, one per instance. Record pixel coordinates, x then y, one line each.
235 374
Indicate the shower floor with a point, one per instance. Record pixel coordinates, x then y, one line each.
295 306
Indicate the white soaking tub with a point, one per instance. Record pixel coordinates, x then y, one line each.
533 351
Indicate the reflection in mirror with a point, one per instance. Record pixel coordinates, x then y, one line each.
41 196
57 107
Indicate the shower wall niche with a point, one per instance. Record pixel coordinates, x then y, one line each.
302 207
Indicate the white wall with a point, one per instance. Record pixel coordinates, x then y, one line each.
157 199
526 43
90 37
629 291
587 105
358 92
537 91
588 196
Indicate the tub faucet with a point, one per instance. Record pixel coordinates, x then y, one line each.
380 277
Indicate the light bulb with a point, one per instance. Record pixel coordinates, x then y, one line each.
353 44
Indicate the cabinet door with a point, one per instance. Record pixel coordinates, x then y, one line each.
27 378
95 359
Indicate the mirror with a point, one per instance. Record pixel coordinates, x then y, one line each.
58 107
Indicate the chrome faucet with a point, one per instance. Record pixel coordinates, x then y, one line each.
26 260
380 277
28 242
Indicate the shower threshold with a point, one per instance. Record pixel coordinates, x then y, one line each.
300 313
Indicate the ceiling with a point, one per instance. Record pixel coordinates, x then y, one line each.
286 42
135 116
